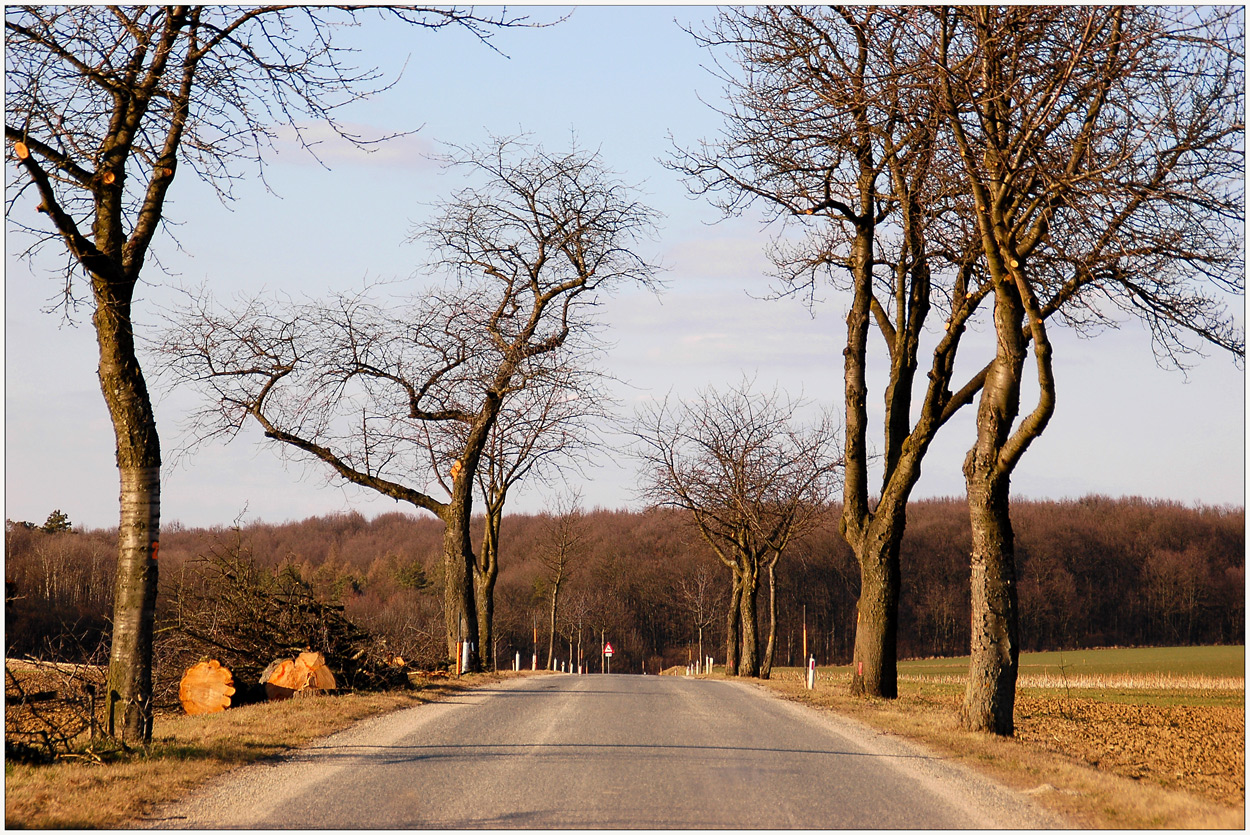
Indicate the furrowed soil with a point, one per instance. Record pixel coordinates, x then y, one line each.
1102 758
1197 749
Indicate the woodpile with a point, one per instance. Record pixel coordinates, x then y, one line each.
206 688
304 676
246 615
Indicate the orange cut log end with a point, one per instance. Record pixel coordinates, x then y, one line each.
206 688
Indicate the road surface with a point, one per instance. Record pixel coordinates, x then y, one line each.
606 751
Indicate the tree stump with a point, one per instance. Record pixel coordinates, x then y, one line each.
206 688
306 675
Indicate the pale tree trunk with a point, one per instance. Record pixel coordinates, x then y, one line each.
128 701
460 609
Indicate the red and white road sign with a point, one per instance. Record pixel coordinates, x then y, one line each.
607 649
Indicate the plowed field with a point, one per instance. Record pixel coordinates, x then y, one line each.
1199 749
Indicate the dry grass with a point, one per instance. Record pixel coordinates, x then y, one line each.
188 750
1100 763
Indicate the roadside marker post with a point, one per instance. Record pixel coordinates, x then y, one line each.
811 673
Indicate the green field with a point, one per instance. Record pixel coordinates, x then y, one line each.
1177 662
1217 662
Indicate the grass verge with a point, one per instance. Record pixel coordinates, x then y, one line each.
186 751
1102 758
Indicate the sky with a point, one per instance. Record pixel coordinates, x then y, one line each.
629 82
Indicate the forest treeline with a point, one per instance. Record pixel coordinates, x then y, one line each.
1092 572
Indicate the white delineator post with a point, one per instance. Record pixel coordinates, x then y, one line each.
811 673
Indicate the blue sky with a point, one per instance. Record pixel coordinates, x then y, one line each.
620 79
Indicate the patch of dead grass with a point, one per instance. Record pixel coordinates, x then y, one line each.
1080 764
186 751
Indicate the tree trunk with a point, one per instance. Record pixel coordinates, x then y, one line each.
551 636
128 701
749 665
459 605
989 700
733 626
990 697
766 664
485 574
875 659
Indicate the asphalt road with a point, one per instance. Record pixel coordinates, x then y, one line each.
607 752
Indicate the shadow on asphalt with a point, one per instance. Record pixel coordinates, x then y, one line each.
394 754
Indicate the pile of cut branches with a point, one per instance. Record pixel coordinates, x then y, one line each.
228 608
49 708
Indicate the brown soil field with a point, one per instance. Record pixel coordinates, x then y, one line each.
1197 749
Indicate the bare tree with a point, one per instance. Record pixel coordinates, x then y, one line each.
542 431
1102 149
701 600
531 246
831 124
562 547
103 105
752 482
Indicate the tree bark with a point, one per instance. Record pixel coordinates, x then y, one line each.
990 697
875 657
733 625
485 574
129 698
766 663
749 663
460 609
551 635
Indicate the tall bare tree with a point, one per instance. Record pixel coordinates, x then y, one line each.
531 245
1103 151
103 106
543 431
752 482
564 545
831 124
701 600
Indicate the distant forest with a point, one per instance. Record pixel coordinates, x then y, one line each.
1092 572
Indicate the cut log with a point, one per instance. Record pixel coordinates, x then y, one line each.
305 675
319 675
206 688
